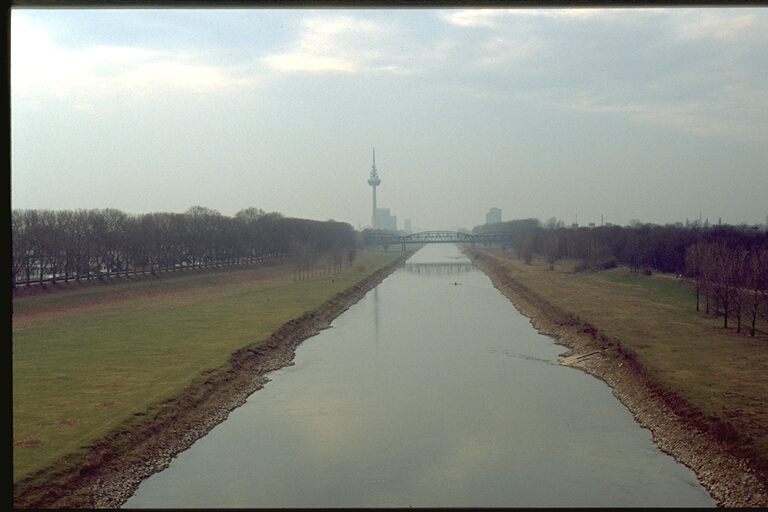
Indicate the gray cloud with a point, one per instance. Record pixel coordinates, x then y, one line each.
540 112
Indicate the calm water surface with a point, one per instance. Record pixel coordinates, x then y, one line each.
431 391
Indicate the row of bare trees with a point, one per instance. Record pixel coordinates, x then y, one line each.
53 245
645 246
732 280
728 263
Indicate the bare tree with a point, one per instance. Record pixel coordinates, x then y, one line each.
21 247
552 249
526 249
737 277
694 264
756 283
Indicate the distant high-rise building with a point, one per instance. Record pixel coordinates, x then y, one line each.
385 220
493 216
407 226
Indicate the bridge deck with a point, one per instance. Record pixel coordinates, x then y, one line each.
436 237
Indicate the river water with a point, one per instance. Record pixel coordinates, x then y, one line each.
430 391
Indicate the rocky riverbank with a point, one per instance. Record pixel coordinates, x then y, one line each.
730 480
114 468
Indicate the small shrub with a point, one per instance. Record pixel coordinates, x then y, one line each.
724 431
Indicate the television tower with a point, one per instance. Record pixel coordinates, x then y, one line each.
374 181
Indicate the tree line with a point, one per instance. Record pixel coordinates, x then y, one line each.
729 264
51 245
733 280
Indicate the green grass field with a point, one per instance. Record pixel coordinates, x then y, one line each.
722 373
85 361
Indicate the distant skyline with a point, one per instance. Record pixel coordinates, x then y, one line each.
658 114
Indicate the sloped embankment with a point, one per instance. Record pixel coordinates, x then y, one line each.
113 468
676 427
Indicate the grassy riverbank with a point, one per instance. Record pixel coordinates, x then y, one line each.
722 375
89 360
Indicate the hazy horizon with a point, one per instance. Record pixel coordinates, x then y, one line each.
653 114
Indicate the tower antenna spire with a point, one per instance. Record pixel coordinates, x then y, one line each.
374 182
374 173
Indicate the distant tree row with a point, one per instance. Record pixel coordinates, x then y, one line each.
733 280
645 246
82 244
728 263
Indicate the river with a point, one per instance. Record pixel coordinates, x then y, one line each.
431 391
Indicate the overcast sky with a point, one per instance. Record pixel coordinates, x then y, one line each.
656 114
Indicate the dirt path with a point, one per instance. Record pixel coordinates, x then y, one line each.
97 296
114 467
729 479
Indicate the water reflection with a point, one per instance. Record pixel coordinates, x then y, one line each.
376 315
453 400
439 268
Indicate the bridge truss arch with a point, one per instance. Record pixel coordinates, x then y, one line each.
436 237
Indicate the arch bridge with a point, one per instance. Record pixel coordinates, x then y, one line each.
437 237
